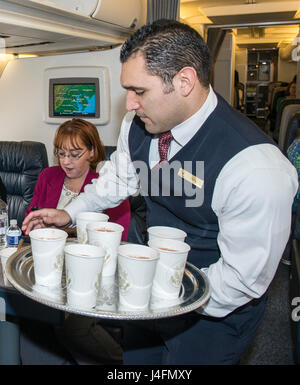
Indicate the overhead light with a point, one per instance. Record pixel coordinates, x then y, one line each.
25 55
297 14
6 57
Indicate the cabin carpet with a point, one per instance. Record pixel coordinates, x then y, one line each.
273 342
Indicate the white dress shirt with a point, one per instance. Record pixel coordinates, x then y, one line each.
252 199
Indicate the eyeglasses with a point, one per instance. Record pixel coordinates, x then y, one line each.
71 156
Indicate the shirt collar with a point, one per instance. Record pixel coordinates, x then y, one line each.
184 131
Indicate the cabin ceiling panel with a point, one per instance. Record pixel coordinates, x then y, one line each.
258 23
253 18
239 11
258 45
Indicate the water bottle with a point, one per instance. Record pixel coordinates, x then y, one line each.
3 223
13 234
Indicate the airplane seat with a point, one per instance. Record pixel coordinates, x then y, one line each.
20 166
287 114
271 88
9 331
137 228
278 93
109 150
236 98
288 121
274 87
239 92
294 287
293 125
288 132
279 113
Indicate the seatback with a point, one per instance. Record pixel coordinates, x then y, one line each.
294 283
294 124
296 230
109 150
3 194
278 92
281 107
239 90
287 114
20 166
271 87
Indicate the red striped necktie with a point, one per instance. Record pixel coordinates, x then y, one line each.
164 144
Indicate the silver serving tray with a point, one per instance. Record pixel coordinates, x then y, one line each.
194 293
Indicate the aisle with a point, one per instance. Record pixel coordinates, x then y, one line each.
273 344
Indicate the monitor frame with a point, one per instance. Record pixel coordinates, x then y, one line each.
72 74
75 81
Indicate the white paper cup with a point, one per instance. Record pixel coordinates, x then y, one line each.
136 268
5 254
107 295
157 302
84 301
47 247
165 232
54 293
107 235
83 270
85 217
170 267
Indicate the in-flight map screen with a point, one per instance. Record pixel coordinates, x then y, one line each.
74 100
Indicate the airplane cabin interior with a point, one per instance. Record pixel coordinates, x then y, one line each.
50 45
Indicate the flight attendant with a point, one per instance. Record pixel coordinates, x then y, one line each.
238 220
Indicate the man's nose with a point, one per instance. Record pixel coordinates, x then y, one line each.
131 101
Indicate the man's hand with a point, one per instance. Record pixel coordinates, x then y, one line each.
46 218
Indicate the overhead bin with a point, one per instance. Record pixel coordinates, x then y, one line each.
47 26
122 13
130 16
82 7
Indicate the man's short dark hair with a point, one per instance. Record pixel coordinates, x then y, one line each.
168 46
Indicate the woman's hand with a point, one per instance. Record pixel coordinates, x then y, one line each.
46 218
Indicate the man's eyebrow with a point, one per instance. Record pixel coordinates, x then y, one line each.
133 88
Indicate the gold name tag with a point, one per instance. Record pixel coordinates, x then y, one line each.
190 178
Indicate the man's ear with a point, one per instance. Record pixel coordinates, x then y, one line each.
186 79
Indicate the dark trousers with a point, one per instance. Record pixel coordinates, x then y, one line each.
192 339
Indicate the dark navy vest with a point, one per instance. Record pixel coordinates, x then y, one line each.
169 198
